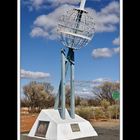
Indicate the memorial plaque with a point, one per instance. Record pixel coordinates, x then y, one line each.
75 127
42 128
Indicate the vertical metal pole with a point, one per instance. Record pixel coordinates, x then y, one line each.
82 4
62 85
72 99
57 97
56 105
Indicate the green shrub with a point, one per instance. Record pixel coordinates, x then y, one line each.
113 111
105 104
88 112
99 113
85 112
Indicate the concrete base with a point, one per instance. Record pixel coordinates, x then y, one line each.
50 126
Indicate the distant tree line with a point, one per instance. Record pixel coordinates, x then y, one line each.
40 95
101 92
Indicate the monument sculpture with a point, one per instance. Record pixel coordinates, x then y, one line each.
75 29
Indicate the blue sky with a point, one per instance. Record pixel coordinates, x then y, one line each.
40 49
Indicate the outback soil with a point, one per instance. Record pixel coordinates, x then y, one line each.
106 129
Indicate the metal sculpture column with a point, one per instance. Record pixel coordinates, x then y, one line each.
60 98
72 96
76 29
65 61
62 85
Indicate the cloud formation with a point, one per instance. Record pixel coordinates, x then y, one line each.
46 25
34 4
116 41
101 80
105 52
105 20
43 4
33 75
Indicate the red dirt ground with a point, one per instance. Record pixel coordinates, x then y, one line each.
28 120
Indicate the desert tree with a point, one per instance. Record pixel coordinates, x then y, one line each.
105 90
39 94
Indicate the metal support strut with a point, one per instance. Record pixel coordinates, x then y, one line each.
60 97
62 85
72 97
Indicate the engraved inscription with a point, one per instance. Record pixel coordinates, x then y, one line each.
75 127
42 128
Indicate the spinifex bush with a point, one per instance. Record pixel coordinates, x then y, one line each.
89 112
113 111
105 104
99 113
85 112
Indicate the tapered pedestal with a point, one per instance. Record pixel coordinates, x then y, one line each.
50 126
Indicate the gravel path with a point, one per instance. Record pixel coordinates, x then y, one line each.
107 133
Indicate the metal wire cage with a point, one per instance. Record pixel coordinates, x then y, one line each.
76 28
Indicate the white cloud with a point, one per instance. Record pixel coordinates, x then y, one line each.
33 75
40 4
101 52
104 52
105 20
46 25
116 50
34 4
107 52
59 2
37 3
112 7
37 31
100 81
116 41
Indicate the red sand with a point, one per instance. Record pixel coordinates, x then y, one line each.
28 120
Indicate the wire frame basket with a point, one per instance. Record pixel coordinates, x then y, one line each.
76 28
